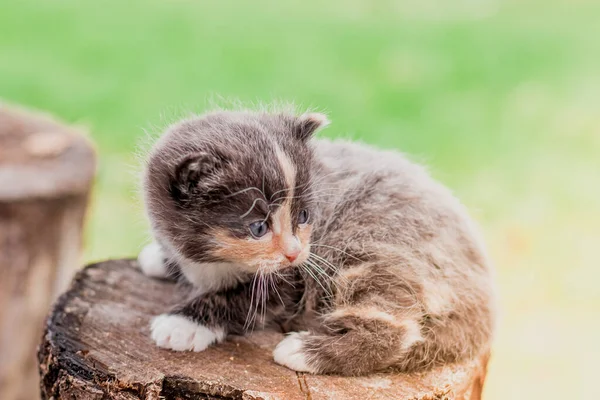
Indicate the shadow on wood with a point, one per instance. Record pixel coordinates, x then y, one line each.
46 172
97 346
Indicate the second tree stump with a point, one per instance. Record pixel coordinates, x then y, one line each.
46 173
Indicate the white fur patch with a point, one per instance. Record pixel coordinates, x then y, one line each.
211 276
439 297
365 313
178 333
289 353
152 261
289 171
413 333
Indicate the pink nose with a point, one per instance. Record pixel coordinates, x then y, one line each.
292 255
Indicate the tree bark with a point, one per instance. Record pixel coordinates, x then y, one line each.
97 346
46 171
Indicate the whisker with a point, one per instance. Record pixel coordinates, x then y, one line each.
274 286
322 273
251 207
334 268
279 191
323 193
282 277
318 268
267 217
265 293
259 295
249 319
308 271
335 248
333 278
311 182
244 191
321 259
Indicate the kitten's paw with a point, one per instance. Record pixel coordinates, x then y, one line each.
289 353
179 333
152 261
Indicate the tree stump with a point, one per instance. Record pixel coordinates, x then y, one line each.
97 346
46 171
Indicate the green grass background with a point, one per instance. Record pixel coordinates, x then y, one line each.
500 99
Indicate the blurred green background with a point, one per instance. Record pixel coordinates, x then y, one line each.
500 99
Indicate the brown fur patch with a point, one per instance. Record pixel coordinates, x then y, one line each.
254 253
246 251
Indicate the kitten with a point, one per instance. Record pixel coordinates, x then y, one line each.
357 252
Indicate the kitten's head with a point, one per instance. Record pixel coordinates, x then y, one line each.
234 187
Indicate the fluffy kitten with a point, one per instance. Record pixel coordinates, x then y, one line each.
358 252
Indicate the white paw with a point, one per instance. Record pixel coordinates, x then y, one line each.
289 353
152 261
178 333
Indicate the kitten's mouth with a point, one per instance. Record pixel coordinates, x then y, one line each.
288 266
275 267
281 267
270 265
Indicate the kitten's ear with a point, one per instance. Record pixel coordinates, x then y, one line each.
309 123
190 171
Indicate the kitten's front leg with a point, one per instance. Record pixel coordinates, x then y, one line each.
180 333
154 261
203 321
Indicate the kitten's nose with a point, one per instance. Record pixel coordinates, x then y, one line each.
292 254
290 247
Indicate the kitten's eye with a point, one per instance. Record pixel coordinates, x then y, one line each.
303 217
259 229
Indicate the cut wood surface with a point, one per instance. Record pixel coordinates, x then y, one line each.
46 172
97 346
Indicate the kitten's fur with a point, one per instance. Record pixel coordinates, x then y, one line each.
396 275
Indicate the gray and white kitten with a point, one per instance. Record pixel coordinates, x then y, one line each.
368 262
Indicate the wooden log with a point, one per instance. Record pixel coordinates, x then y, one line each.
97 346
46 171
